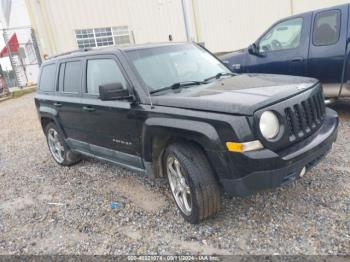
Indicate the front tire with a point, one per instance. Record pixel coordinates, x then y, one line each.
192 182
59 150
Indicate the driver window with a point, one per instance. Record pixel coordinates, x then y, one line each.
102 71
285 35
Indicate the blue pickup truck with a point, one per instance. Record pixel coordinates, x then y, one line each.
313 44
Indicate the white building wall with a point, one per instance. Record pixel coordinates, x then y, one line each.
300 6
150 20
224 25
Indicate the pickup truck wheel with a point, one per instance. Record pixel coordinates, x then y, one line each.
58 147
192 182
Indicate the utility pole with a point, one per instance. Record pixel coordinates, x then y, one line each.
186 20
36 47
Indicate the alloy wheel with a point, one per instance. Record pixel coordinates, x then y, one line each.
56 148
179 186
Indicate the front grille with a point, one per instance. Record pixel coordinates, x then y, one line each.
304 118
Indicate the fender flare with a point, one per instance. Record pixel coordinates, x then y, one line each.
52 114
202 133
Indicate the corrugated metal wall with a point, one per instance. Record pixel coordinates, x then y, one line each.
227 25
150 20
300 6
224 25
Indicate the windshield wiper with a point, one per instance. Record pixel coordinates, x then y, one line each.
179 85
219 75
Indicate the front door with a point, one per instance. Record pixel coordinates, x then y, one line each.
113 128
282 49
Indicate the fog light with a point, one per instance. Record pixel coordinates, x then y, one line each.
302 172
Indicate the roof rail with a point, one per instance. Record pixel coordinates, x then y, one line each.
71 52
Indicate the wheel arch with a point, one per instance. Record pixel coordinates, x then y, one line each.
49 115
158 133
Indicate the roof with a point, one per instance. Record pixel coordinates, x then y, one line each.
150 45
80 52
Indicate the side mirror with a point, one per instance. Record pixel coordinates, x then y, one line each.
253 49
113 91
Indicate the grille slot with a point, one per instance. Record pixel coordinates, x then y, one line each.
304 117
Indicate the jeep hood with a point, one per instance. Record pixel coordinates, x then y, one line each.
242 94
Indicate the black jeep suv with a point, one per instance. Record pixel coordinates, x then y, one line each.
175 110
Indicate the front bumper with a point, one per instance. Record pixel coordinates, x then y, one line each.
275 169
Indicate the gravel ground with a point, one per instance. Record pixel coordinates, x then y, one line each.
49 209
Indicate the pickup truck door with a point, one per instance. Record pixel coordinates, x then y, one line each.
328 47
283 48
114 127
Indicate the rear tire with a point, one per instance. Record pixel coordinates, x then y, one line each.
59 149
189 171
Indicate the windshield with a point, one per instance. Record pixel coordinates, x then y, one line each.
161 67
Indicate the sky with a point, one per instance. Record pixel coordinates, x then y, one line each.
19 17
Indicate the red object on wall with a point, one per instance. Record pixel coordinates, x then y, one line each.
13 44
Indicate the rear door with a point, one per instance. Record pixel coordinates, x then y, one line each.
69 103
283 48
327 48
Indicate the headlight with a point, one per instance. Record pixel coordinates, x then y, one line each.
269 125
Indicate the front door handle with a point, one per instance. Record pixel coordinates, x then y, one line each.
57 104
297 60
88 109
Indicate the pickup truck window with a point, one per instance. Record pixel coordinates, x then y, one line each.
285 35
47 78
326 28
163 66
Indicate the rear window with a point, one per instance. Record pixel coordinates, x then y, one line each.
72 77
326 28
47 78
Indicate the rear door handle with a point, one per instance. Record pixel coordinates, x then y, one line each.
88 109
57 104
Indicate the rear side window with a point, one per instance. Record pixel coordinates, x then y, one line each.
72 77
47 78
326 28
102 71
